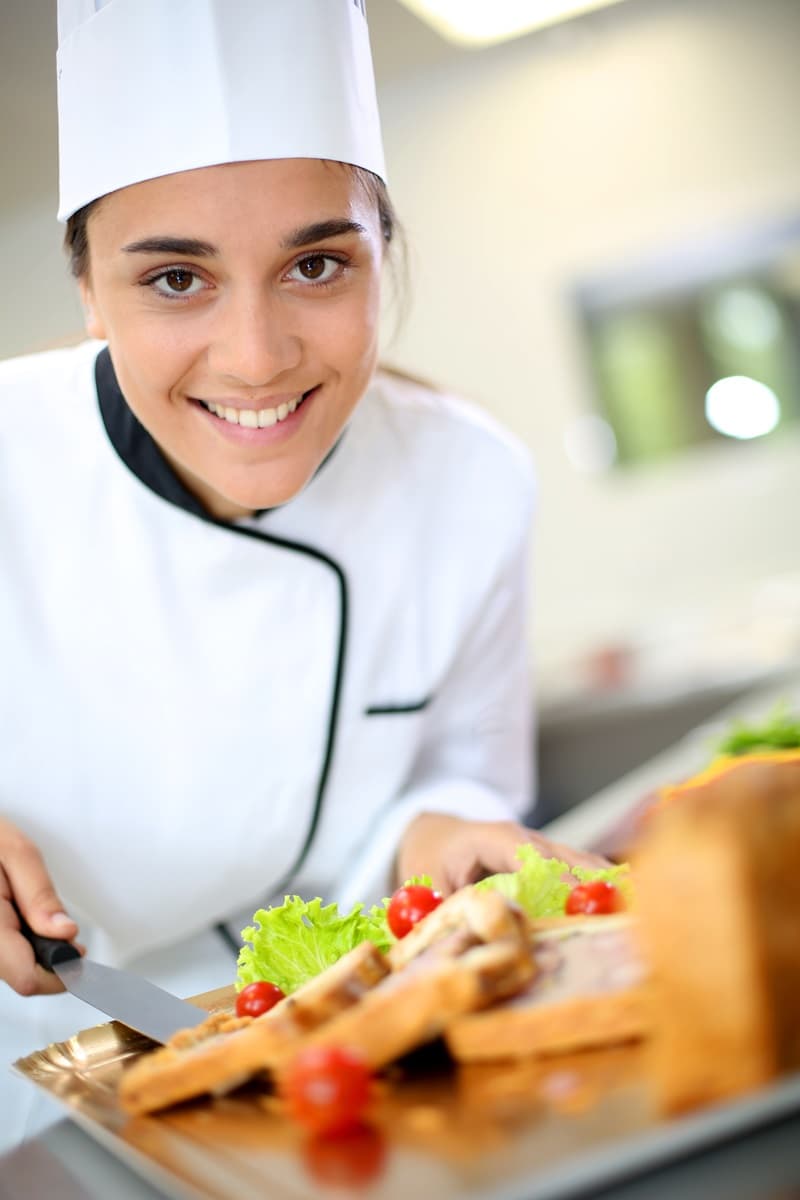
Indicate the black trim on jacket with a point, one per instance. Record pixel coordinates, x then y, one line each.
140 454
399 709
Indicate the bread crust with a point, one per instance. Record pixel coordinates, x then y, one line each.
579 1024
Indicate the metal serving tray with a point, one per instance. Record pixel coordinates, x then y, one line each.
542 1130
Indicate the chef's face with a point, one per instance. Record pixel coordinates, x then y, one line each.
240 303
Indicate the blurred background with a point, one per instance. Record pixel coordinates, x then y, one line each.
604 224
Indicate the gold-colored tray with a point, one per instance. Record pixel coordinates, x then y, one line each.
533 1128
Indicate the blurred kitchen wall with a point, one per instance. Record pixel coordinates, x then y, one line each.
523 168
39 306
519 170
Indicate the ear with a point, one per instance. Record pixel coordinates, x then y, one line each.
94 325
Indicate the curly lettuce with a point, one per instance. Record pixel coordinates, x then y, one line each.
539 886
295 941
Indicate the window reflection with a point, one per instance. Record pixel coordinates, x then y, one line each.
688 355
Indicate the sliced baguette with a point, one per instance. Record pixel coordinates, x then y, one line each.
224 1052
471 951
415 1005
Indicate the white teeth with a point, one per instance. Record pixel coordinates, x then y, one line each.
251 418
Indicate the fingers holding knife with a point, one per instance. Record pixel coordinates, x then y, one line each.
27 890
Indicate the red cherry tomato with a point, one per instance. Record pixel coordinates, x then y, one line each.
594 899
257 998
352 1160
409 905
327 1089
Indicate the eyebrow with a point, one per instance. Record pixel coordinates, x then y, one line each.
319 231
191 247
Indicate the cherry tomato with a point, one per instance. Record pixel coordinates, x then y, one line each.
352 1160
257 998
409 905
327 1089
594 898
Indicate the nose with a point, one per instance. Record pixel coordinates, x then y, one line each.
253 341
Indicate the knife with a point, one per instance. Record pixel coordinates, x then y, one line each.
127 998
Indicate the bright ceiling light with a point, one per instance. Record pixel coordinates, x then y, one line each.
741 407
481 22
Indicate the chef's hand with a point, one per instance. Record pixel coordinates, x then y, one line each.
25 881
455 852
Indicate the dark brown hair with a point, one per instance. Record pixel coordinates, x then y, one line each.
76 240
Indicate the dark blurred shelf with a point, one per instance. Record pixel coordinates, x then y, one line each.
589 741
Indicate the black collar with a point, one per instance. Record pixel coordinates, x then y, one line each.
133 443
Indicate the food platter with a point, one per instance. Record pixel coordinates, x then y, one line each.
545 1129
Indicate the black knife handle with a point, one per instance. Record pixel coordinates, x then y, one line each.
47 951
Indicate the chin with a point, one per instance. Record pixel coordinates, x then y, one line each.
278 492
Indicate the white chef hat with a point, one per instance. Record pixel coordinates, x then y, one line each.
150 87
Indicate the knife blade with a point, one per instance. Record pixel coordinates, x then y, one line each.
128 998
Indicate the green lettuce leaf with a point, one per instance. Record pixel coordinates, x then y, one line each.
294 941
538 887
780 730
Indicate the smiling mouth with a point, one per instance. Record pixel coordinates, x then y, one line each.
255 418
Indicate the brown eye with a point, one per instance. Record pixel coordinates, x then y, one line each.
179 280
312 268
318 269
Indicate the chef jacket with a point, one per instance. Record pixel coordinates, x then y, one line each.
197 715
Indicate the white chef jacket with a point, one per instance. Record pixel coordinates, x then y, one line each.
196 715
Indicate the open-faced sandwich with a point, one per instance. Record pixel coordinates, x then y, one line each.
696 949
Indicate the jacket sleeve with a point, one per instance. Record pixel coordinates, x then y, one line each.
478 756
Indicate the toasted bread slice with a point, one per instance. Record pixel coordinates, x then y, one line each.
225 1051
586 991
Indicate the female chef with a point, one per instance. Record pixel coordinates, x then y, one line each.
261 607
